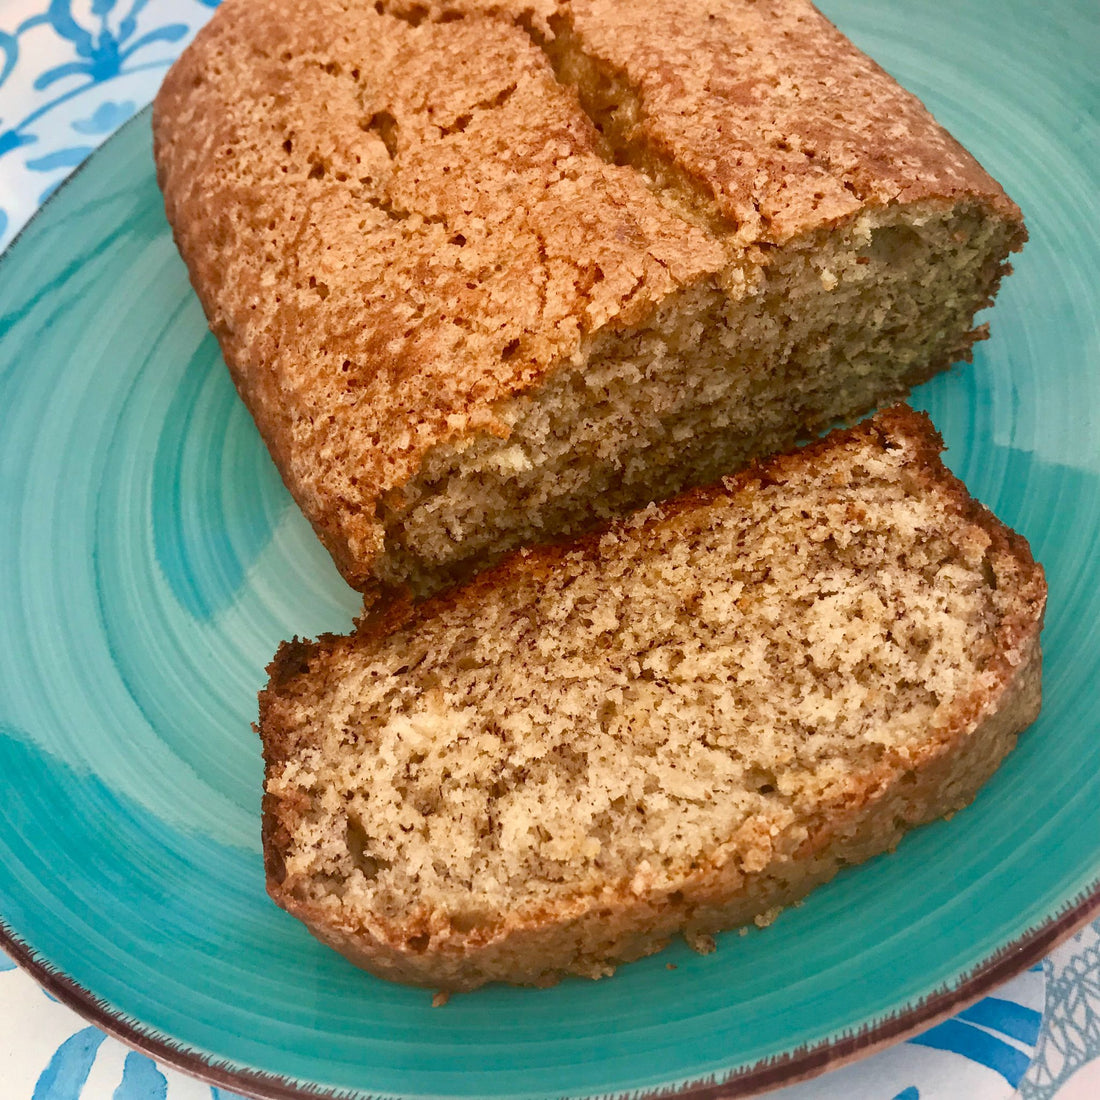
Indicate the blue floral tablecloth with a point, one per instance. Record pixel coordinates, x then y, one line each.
71 72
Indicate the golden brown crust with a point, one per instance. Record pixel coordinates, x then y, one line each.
812 129
765 865
397 217
421 228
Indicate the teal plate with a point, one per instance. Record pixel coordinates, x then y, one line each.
150 561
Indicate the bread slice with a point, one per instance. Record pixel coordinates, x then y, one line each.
490 272
679 724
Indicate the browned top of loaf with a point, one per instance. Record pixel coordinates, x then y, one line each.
395 226
766 107
395 215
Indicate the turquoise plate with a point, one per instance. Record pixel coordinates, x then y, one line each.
150 561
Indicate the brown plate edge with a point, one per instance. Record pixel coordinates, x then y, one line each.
785 1069
805 1063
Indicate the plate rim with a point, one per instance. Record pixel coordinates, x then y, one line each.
786 1068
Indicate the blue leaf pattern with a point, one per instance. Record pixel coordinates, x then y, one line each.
59 72
9 140
141 1080
106 118
64 1077
979 1046
93 47
1007 1017
172 33
9 47
62 21
63 158
129 21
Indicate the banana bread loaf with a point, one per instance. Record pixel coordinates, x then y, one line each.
486 273
679 724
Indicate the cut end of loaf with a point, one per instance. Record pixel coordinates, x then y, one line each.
731 369
674 725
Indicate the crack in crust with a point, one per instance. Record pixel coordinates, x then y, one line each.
459 203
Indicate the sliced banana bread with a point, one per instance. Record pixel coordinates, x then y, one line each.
678 724
487 273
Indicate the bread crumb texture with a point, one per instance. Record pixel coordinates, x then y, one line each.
676 725
487 273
